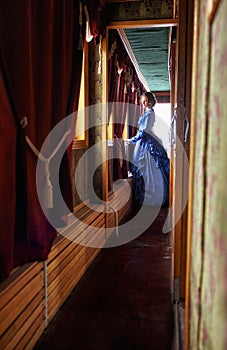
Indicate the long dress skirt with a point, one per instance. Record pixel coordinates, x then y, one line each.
150 169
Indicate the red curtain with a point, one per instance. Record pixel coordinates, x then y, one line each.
40 78
124 87
97 16
120 110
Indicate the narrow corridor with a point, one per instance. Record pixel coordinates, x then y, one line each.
124 300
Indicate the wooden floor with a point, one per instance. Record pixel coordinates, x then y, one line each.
124 300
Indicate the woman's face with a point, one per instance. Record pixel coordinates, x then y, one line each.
144 102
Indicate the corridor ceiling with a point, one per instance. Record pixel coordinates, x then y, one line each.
150 48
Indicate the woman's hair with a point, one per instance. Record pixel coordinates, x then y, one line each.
151 97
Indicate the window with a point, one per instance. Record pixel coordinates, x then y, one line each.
81 133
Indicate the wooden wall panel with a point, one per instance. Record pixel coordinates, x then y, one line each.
33 293
22 308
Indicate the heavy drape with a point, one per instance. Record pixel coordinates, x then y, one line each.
124 88
120 109
40 78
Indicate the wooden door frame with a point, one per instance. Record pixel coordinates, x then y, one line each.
178 156
182 106
116 25
191 172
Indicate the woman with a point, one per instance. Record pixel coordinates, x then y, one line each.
150 164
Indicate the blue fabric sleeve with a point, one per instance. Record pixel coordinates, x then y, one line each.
138 137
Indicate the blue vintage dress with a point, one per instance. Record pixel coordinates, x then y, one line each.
150 164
